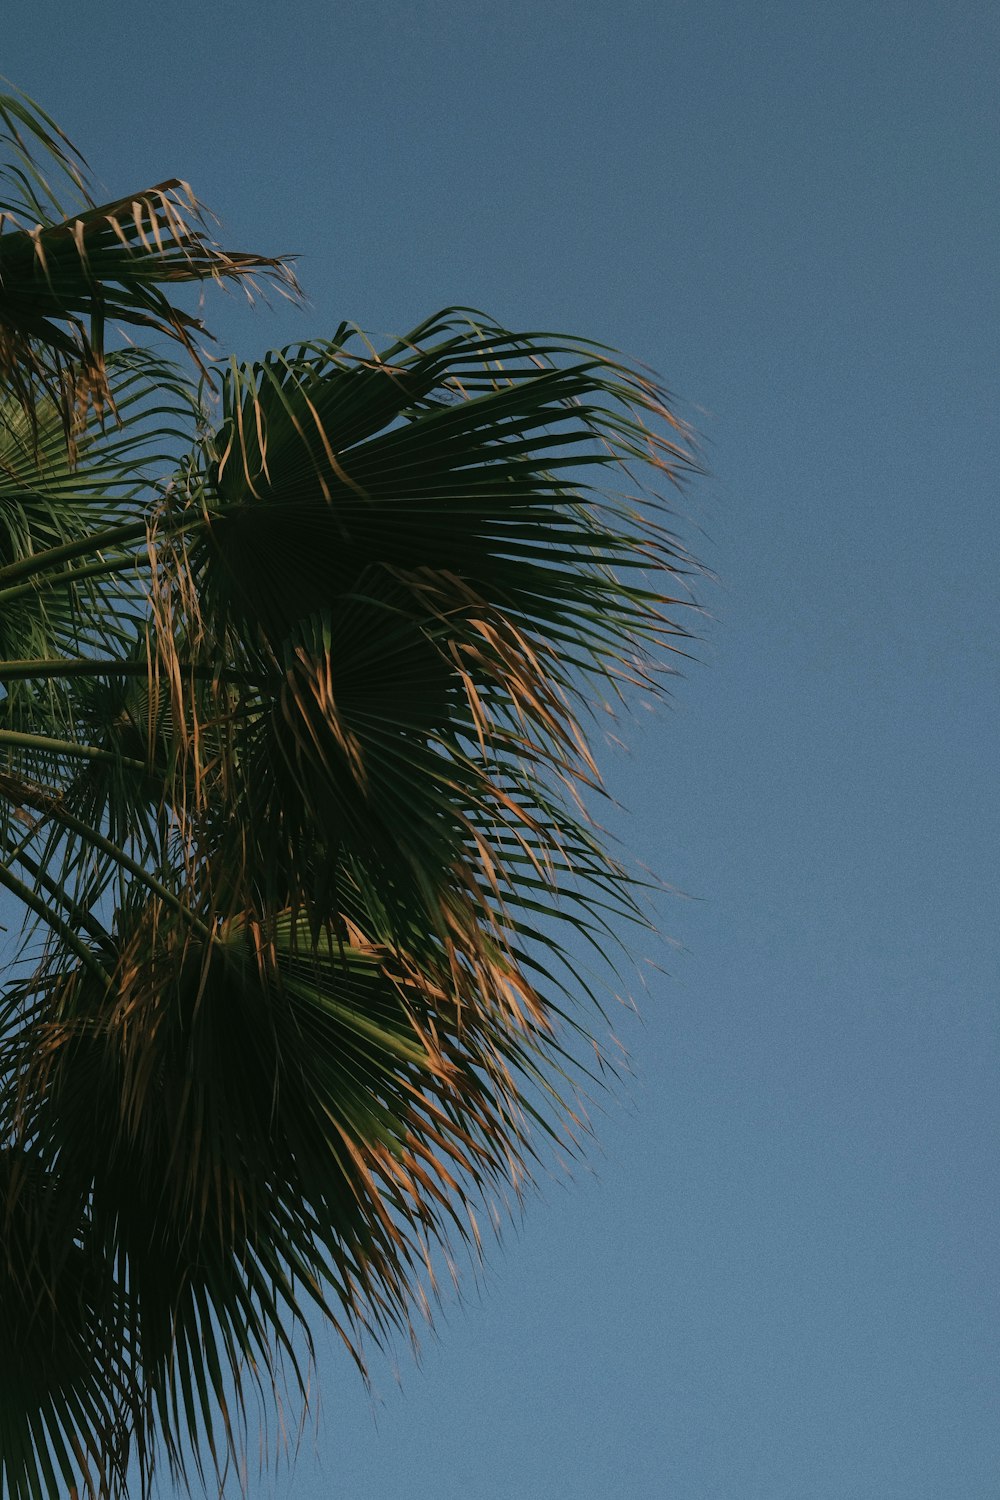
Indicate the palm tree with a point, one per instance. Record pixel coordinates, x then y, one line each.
297 663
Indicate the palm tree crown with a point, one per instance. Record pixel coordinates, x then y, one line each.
293 772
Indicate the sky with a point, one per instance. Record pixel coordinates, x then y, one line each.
777 1275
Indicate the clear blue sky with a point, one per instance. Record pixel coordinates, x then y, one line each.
781 1280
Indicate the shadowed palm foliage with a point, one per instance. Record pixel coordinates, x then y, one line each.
292 781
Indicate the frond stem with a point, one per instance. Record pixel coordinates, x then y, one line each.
52 919
38 873
48 804
83 666
68 747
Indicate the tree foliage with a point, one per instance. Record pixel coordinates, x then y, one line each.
298 670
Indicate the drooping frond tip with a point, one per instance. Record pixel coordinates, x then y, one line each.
66 279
